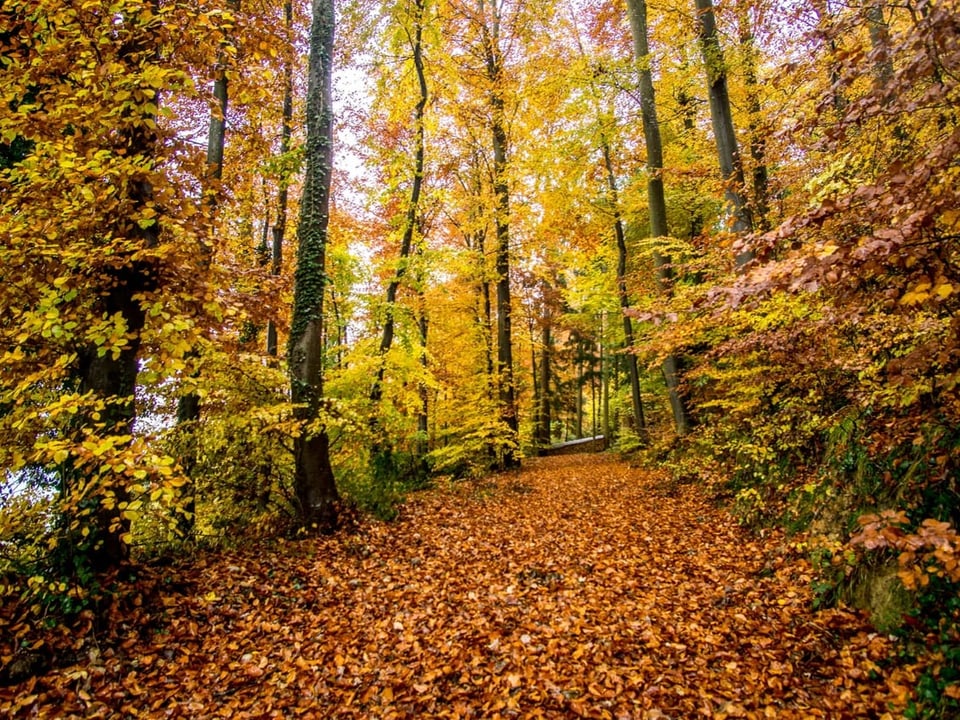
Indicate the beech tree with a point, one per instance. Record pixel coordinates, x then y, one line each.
88 222
728 149
279 231
757 126
188 406
314 482
656 199
489 28
478 33
412 24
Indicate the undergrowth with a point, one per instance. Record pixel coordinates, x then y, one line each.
902 566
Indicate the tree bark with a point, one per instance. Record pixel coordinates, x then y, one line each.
486 320
188 406
656 196
501 191
579 359
286 128
534 375
383 464
728 152
640 424
824 22
413 206
114 379
880 43
755 129
604 378
314 482
423 414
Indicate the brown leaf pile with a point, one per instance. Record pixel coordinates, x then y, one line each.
577 587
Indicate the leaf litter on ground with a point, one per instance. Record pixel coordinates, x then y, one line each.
577 587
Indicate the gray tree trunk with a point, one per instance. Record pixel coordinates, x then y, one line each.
314 482
755 128
423 415
579 404
728 152
656 197
476 241
188 406
880 43
605 378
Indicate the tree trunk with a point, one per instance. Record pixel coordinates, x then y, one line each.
501 191
656 197
286 128
413 206
546 341
423 414
188 406
628 341
486 320
340 324
534 376
880 43
381 451
476 242
579 403
728 152
593 394
824 31
755 128
314 482
113 377
605 378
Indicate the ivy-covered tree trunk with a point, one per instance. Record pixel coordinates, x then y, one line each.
728 151
314 482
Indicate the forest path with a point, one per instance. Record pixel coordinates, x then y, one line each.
576 587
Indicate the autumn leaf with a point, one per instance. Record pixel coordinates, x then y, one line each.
637 617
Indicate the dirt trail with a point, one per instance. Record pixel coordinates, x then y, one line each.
577 587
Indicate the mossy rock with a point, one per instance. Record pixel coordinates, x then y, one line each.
878 590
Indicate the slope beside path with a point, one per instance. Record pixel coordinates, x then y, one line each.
576 587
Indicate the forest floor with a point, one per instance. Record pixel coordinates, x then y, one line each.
576 587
